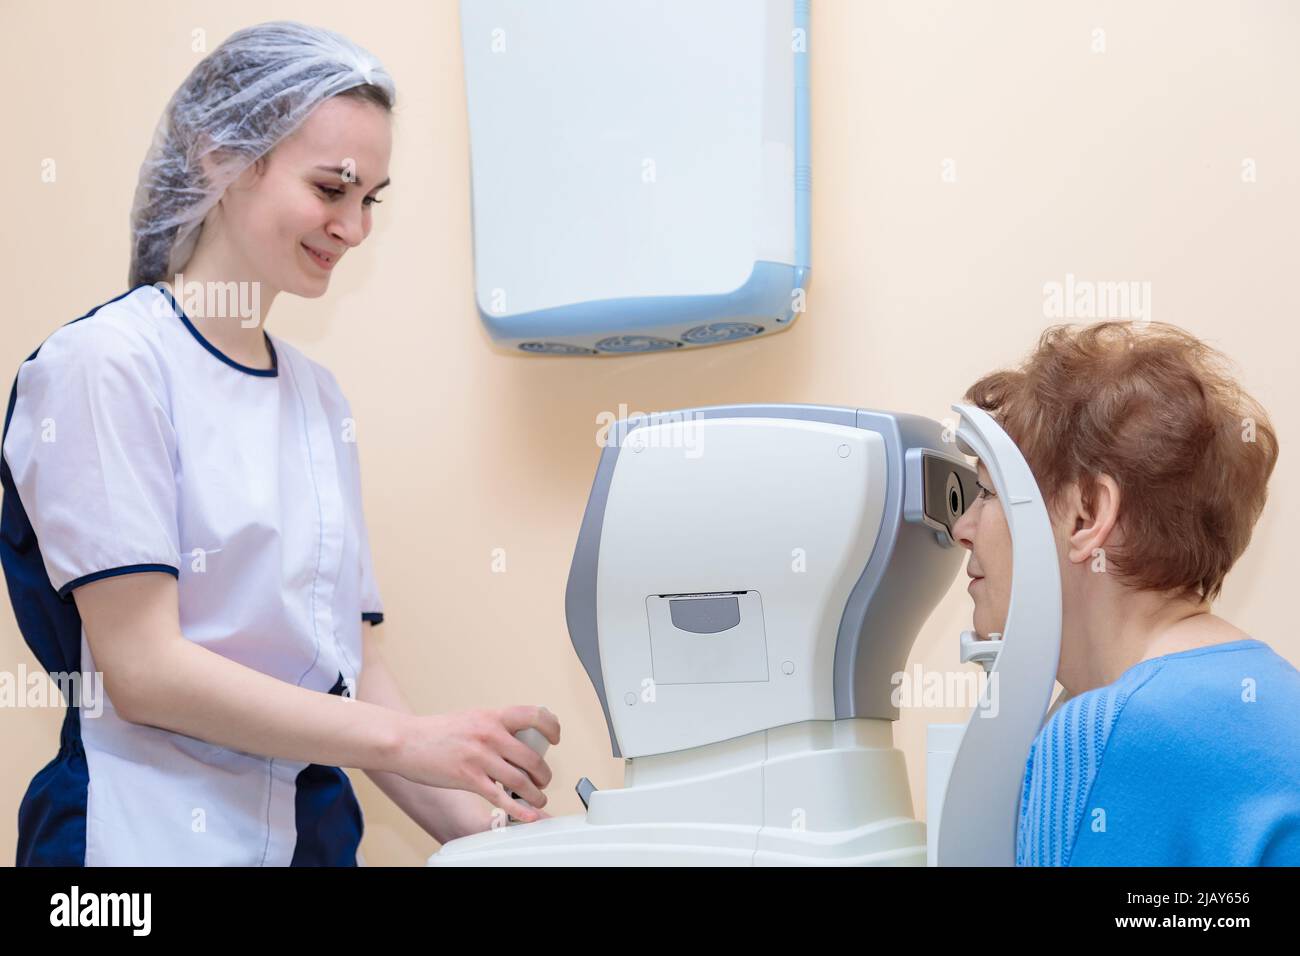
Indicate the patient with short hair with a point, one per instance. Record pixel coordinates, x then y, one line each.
1177 739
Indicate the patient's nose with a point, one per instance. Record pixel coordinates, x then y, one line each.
964 530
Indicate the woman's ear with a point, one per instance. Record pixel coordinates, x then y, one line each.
250 174
1093 523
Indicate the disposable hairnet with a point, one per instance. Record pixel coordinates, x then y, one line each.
234 107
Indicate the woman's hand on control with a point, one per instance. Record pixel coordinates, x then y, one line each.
475 750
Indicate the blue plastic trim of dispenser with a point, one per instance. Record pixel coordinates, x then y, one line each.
802 148
763 298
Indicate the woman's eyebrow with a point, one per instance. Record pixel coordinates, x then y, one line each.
340 171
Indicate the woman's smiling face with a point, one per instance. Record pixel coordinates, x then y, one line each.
298 213
983 530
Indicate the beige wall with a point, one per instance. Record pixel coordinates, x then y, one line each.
1122 165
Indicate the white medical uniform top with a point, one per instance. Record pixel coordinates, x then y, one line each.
133 444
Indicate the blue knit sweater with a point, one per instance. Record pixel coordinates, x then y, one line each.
1191 759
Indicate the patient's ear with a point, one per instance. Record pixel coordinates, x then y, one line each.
1092 523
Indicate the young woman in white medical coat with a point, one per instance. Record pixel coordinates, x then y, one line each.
182 510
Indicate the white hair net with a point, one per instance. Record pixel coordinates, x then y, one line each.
234 107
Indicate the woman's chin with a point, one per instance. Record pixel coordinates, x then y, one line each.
312 288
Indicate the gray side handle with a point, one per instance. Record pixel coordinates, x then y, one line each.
981 805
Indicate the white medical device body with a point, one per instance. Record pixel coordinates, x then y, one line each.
747 582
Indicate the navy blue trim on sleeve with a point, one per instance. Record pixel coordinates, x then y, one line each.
66 591
374 617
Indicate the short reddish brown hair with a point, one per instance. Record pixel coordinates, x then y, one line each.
1157 409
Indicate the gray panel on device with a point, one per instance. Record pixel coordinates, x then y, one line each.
705 615
724 646
909 569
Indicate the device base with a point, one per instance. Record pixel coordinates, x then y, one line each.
817 793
